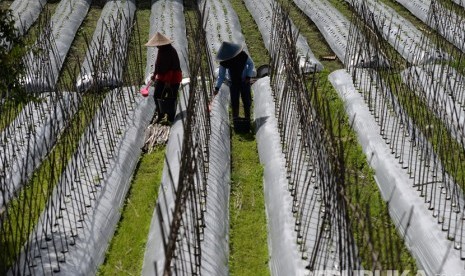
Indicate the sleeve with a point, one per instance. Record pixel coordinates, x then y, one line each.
249 66
221 74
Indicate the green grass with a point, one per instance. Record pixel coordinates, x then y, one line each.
9 111
140 36
248 228
126 252
5 4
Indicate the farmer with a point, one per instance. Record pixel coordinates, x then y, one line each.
166 77
240 68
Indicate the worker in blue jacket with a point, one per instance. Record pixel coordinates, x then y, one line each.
239 67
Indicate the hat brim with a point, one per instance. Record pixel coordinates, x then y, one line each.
155 44
158 40
223 56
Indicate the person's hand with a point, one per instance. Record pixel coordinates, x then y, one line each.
215 92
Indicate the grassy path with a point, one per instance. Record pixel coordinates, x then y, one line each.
248 227
126 252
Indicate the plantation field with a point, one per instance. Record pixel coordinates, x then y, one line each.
355 159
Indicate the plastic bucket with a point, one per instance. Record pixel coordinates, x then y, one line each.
144 91
263 71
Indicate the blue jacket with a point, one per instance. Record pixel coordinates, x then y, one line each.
247 72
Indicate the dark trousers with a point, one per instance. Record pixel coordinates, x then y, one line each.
241 89
166 96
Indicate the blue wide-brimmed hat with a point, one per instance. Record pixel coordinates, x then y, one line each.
228 50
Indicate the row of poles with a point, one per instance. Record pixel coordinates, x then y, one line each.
412 115
314 166
182 227
77 134
326 215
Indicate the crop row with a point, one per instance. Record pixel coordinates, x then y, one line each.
95 178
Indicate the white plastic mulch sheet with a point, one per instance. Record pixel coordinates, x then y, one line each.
222 24
154 251
445 21
26 13
215 247
460 2
284 250
443 91
65 22
262 12
419 8
167 17
215 251
331 23
424 237
109 46
30 137
449 24
73 232
401 34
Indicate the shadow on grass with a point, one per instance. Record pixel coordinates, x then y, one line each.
144 4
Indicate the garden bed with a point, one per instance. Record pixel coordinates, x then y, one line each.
430 229
331 23
222 24
30 137
90 191
167 17
288 256
262 12
26 13
447 25
443 90
419 8
53 45
105 59
408 41
215 249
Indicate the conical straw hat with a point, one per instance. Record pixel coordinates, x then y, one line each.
158 40
228 50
